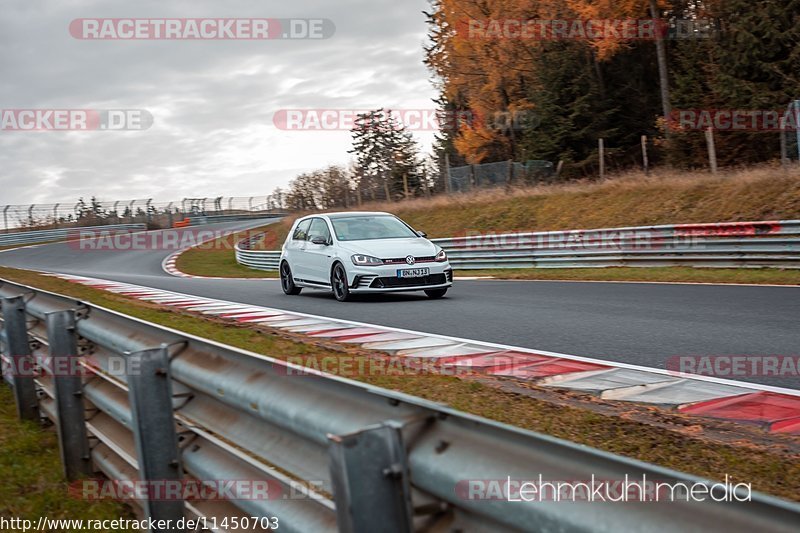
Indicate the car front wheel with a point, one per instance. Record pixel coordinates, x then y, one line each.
287 282
435 293
339 283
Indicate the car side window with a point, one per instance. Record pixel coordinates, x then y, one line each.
301 231
319 229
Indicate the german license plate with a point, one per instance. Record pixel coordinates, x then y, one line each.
413 272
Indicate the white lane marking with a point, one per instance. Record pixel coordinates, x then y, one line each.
795 286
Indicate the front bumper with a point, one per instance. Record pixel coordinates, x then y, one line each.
384 278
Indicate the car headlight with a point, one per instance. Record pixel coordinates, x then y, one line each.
441 257
366 260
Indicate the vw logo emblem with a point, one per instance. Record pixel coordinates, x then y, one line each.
410 259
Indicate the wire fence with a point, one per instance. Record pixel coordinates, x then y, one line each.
138 211
469 177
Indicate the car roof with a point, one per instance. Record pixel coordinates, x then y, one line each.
342 214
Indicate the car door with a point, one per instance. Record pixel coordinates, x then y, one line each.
319 256
296 248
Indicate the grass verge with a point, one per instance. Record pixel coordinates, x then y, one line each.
773 469
766 192
633 199
30 467
217 258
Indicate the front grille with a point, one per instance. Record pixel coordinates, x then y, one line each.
399 260
362 282
392 282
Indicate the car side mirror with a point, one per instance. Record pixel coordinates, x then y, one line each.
422 234
320 240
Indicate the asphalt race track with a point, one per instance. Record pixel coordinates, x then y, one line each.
637 323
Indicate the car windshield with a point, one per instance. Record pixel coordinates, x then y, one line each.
362 228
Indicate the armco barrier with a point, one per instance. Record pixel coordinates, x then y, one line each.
28 237
721 245
258 259
194 220
193 410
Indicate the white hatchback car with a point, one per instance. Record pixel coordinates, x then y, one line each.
358 252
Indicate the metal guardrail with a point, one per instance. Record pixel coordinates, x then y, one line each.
142 210
212 219
258 259
28 237
727 244
191 409
721 245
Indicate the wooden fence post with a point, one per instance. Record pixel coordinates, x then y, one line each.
645 162
712 151
601 152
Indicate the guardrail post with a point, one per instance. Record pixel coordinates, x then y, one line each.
150 396
71 423
371 488
19 353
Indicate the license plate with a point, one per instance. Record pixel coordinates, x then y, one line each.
413 272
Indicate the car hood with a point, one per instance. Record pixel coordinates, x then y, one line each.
390 248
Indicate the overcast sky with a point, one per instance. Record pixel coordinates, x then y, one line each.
212 101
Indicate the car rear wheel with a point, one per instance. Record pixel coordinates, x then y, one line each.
287 282
339 283
433 294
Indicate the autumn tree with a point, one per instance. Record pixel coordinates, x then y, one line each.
386 155
327 188
704 54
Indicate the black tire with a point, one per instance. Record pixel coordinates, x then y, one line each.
341 291
287 282
434 294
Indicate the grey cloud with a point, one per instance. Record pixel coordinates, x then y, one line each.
213 102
